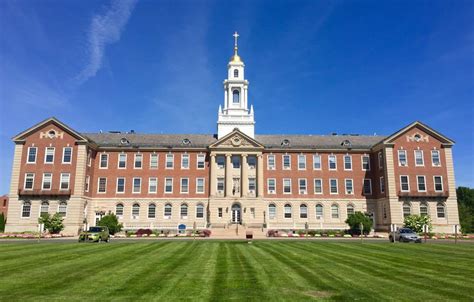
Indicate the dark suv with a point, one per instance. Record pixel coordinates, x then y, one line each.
95 234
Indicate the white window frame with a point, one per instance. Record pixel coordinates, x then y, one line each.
321 182
330 186
269 165
150 179
200 205
64 152
125 160
116 212
284 211
283 180
201 158
46 155
61 181
305 190
418 183
434 183
274 185
28 155
106 162
303 206
22 209
422 158
270 214
337 214
50 182
223 184
157 157
165 215
283 161
439 158
345 186
406 158
302 161
321 215
133 185
171 156
151 205
168 178
117 185
98 185
135 205
183 156
401 183
370 186
203 185
32 182
320 161
250 181
350 162
368 162
138 155
382 184
335 162
181 185
59 207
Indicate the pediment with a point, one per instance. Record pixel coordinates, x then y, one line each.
423 134
237 140
45 131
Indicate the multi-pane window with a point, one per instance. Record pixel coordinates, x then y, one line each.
382 184
438 183
26 209
347 162
62 209
402 158
67 155
219 212
151 210
287 186
333 186
332 162
423 209
286 162
184 185
184 211
235 162
199 211
220 184
138 163
120 185
184 161
335 211
271 162
317 162
440 210
102 185
301 162
406 209
350 210
137 185
152 185
122 161
168 211
421 180
199 185
287 211
201 160
104 161
271 185
419 158
64 181
44 208
318 186
404 183
252 184
168 185
49 155
302 186
303 211
271 211
29 181
252 162
365 162
349 186
169 161
135 210
32 151
319 211
435 158
47 178
220 160
367 186
153 161
119 210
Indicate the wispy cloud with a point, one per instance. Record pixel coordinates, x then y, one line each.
104 29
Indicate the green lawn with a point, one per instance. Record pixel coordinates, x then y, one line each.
231 270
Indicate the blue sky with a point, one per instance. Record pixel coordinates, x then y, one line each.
314 67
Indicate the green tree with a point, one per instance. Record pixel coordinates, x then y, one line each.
54 224
3 221
354 221
416 222
111 221
466 208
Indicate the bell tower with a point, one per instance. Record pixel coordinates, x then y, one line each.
235 113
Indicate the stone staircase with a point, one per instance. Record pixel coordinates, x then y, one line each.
237 231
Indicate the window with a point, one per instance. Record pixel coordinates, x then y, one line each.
168 185
67 155
32 151
26 209
44 209
152 185
62 209
252 185
302 186
89 158
168 211
135 210
367 186
236 73
49 155
347 162
120 185
317 162
438 183
333 186
271 162
423 209
440 210
29 181
199 185
271 211
380 160
220 185
319 211
271 185
201 159
365 162
236 162
406 209
287 186
384 211
104 161
185 185
252 162
122 162
88 181
318 186
65 179
332 162
349 186
219 212
235 96
303 211
287 211
169 161
101 188
220 160
184 211
301 162
435 158
184 161
350 210
421 180
137 185
419 158
382 184
151 210
47 178
138 161
286 162
404 183
154 161
199 211
402 158
335 211
119 210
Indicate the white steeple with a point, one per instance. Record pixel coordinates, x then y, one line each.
235 113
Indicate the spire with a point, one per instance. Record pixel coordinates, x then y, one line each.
235 58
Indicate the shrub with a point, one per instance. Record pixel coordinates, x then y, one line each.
206 233
416 222
312 233
3 221
111 222
355 220
142 232
53 224
272 233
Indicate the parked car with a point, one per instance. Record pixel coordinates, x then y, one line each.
95 234
405 235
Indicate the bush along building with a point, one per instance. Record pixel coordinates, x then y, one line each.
162 181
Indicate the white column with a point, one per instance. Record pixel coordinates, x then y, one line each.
244 178
15 178
228 175
260 175
213 176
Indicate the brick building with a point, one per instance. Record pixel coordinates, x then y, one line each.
160 181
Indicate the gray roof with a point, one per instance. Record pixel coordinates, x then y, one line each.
204 140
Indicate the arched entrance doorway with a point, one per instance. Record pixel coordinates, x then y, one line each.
236 213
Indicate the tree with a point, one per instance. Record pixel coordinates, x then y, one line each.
416 222
111 221
466 208
354 221
54 224
3 221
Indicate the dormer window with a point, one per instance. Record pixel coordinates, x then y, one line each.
186 141
236 73
346 143
235 96
285 143
124 141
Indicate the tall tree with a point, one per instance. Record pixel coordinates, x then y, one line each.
466 208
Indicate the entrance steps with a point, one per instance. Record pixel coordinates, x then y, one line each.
237 231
